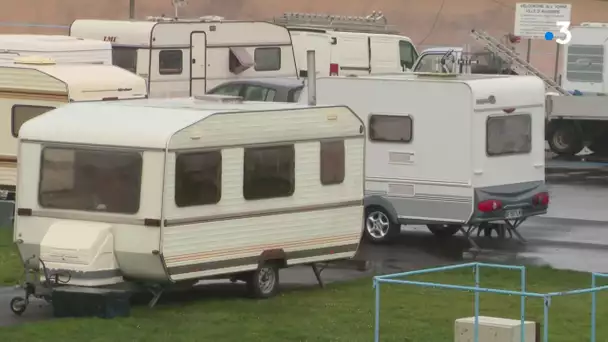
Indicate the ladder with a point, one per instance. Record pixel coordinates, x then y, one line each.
373 23
518 64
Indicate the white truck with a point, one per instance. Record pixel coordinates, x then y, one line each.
187 57
346 45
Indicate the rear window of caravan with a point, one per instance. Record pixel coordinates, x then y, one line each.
90 180
267 59
125 57
390 128
509 134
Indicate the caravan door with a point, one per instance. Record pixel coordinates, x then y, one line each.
198 59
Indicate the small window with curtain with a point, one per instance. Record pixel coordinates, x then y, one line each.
198 178
390 128
332 162
267 59
22 113
170 62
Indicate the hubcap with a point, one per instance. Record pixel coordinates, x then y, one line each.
561 140
377 224
266 280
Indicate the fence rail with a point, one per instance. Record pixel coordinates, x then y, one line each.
477 266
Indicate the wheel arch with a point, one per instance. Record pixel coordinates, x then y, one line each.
381 202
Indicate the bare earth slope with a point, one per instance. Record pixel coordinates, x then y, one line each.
414 18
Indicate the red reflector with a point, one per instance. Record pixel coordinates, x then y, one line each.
514 39
508 110
541 199
489 205
333 69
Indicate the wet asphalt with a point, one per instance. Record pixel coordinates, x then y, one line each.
573 235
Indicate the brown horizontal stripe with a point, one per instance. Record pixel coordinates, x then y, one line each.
34 95
8 159
214 265
261 213
263 247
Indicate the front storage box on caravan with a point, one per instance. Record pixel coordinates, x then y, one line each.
447 151
165 191
31 86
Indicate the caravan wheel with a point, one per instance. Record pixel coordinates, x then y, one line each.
378 226
264 282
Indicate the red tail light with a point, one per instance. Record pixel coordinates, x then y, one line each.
489 205
333 69
541 199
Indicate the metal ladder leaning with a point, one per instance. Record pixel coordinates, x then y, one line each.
520 65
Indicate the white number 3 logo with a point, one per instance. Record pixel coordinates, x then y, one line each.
564 28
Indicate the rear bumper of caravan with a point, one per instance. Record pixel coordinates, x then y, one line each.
510 202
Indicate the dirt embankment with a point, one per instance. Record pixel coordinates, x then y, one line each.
430 22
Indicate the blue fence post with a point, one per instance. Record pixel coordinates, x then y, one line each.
523 304
377 312
476 330
593 307
547 303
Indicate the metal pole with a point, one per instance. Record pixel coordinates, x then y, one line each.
556 62
311 74
131 9
593 306
529 50
523 305
377 311
476 328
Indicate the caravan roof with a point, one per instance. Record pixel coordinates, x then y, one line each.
82 81
49 43
134 123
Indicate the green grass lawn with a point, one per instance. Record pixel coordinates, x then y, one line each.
340 312
11 268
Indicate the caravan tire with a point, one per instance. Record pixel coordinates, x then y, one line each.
379 227
564 139
264 282
443 230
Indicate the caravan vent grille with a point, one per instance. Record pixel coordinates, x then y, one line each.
400 157
401 189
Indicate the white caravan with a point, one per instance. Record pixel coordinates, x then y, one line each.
447 150
349 45
165 191
183 57
62 49
31 86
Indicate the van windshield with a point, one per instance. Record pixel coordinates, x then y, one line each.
90 180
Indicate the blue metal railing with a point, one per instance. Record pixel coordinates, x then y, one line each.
391 279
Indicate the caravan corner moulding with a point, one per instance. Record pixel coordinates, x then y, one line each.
188 57
32 85
261 187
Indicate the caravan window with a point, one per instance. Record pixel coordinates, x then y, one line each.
125 57
267 59
332 162
390 128
269 172
509 134
90 180
22 113
170 62
198 178
407 54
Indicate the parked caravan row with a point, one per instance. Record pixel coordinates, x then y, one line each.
62 49
31 86
183 57
207 189
349 45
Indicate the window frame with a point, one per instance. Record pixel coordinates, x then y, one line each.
15 132
218 195
279 58
503 154
171 71
292 150
75 149
411 133
413 53
135 50
343 165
